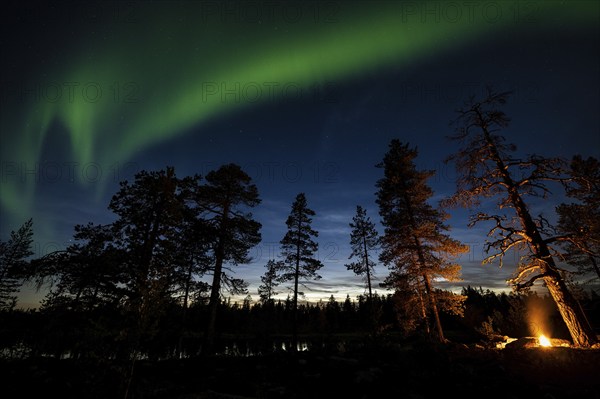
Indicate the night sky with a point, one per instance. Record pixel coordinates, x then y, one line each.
305 96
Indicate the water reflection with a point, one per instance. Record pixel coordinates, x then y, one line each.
193 348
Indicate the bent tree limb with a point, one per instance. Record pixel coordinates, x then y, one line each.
484 167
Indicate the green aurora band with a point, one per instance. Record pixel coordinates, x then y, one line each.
172 68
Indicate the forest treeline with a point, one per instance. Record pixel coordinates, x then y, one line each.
254 328
137 287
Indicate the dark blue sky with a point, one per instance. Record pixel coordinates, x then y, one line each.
324 142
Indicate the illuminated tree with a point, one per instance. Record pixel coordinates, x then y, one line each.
222 202
363 239
13 261
487 169
298 250
414 244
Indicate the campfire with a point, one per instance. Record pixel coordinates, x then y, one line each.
540 341
544 341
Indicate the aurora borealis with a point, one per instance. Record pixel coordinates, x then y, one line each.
88 87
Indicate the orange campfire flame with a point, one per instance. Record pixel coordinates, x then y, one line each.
543 341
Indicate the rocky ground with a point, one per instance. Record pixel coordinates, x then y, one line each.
402 371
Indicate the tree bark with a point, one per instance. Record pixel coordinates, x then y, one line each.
426 277
367 268
186 295
423 310
594 264
215 298
295 308
215 292
434 310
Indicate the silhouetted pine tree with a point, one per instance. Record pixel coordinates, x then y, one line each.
13 261
193 245
150 213
193 253
363 239
223 202
266 290
298 252
142 261
89 273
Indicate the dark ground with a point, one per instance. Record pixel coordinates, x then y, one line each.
414 371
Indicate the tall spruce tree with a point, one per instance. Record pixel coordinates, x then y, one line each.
223 202
488 169
415 243
298 252
363 239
